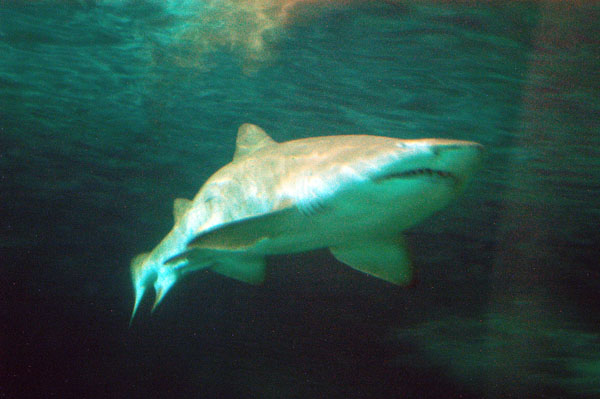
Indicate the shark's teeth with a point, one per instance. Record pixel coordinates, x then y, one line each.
418 172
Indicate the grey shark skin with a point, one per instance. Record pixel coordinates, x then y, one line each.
353 194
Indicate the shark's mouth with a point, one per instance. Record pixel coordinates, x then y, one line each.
418 173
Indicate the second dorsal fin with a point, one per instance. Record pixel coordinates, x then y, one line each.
249 139
180 206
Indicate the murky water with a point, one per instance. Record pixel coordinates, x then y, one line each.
109 110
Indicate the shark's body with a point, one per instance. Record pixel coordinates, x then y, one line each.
353 194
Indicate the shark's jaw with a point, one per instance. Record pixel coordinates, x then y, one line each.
423 174
437 159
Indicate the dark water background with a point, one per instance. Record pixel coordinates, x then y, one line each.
111 109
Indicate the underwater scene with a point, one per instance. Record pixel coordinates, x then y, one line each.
402 199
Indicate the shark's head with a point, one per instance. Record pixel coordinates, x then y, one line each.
147 272
455 160
452 160
423 176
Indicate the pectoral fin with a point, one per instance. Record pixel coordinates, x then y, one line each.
243 234
386 259
250 270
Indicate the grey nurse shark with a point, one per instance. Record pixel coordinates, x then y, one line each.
353 194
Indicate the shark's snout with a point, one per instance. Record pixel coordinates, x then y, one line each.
451 160
458 158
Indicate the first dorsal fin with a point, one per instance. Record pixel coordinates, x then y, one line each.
180 206
249 139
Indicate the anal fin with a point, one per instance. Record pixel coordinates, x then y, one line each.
385 258
248 270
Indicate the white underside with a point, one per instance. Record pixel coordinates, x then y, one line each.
366 212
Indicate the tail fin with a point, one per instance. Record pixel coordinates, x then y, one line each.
164 281
139 278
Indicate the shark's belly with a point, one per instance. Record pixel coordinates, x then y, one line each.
392 206
358 215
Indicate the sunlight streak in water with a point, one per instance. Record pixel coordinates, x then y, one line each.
245 27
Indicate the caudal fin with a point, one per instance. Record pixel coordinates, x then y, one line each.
139 277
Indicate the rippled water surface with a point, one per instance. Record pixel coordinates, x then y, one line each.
111 109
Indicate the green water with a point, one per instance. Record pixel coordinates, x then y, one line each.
109 110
